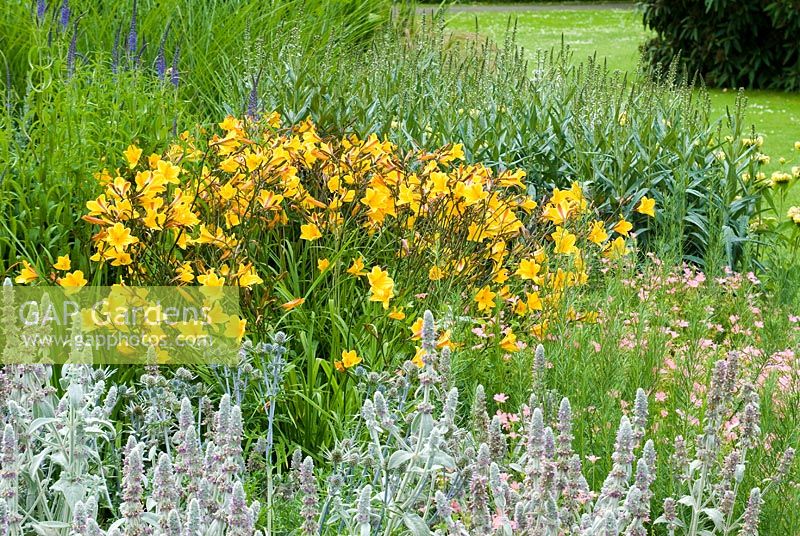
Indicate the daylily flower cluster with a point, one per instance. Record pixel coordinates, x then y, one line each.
204 212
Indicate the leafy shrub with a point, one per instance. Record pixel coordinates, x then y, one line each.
729 43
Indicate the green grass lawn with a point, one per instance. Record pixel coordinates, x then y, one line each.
615 35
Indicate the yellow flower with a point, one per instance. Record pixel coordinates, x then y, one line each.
435 273
291 304
647 206
485 299
310 232
381 286
235 328
27 274
623 227
227 192
132 155
509 342
520 307
119 258
564 241
794 214
63 263
416 329
540 330
350 358
73 279
211 279
598 234
617 248
118 237
357 268
418 358
248 276
323 264
185 273
528 269
230 123
397 314
534 301
501 276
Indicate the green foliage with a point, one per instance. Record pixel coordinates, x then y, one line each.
730 43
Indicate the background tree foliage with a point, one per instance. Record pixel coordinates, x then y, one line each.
729 42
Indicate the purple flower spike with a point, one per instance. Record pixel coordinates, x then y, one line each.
161 59
72 51
115 52
252 105
63 19
41 8
133 38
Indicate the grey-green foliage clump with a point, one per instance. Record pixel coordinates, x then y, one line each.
60 475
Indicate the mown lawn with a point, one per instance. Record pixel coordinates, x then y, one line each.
615 35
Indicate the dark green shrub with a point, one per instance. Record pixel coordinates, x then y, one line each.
729 42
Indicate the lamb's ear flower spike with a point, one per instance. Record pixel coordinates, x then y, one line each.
364 509
785 465
480 417
752 513
640 413
308 491
497 439
194 518
174 527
